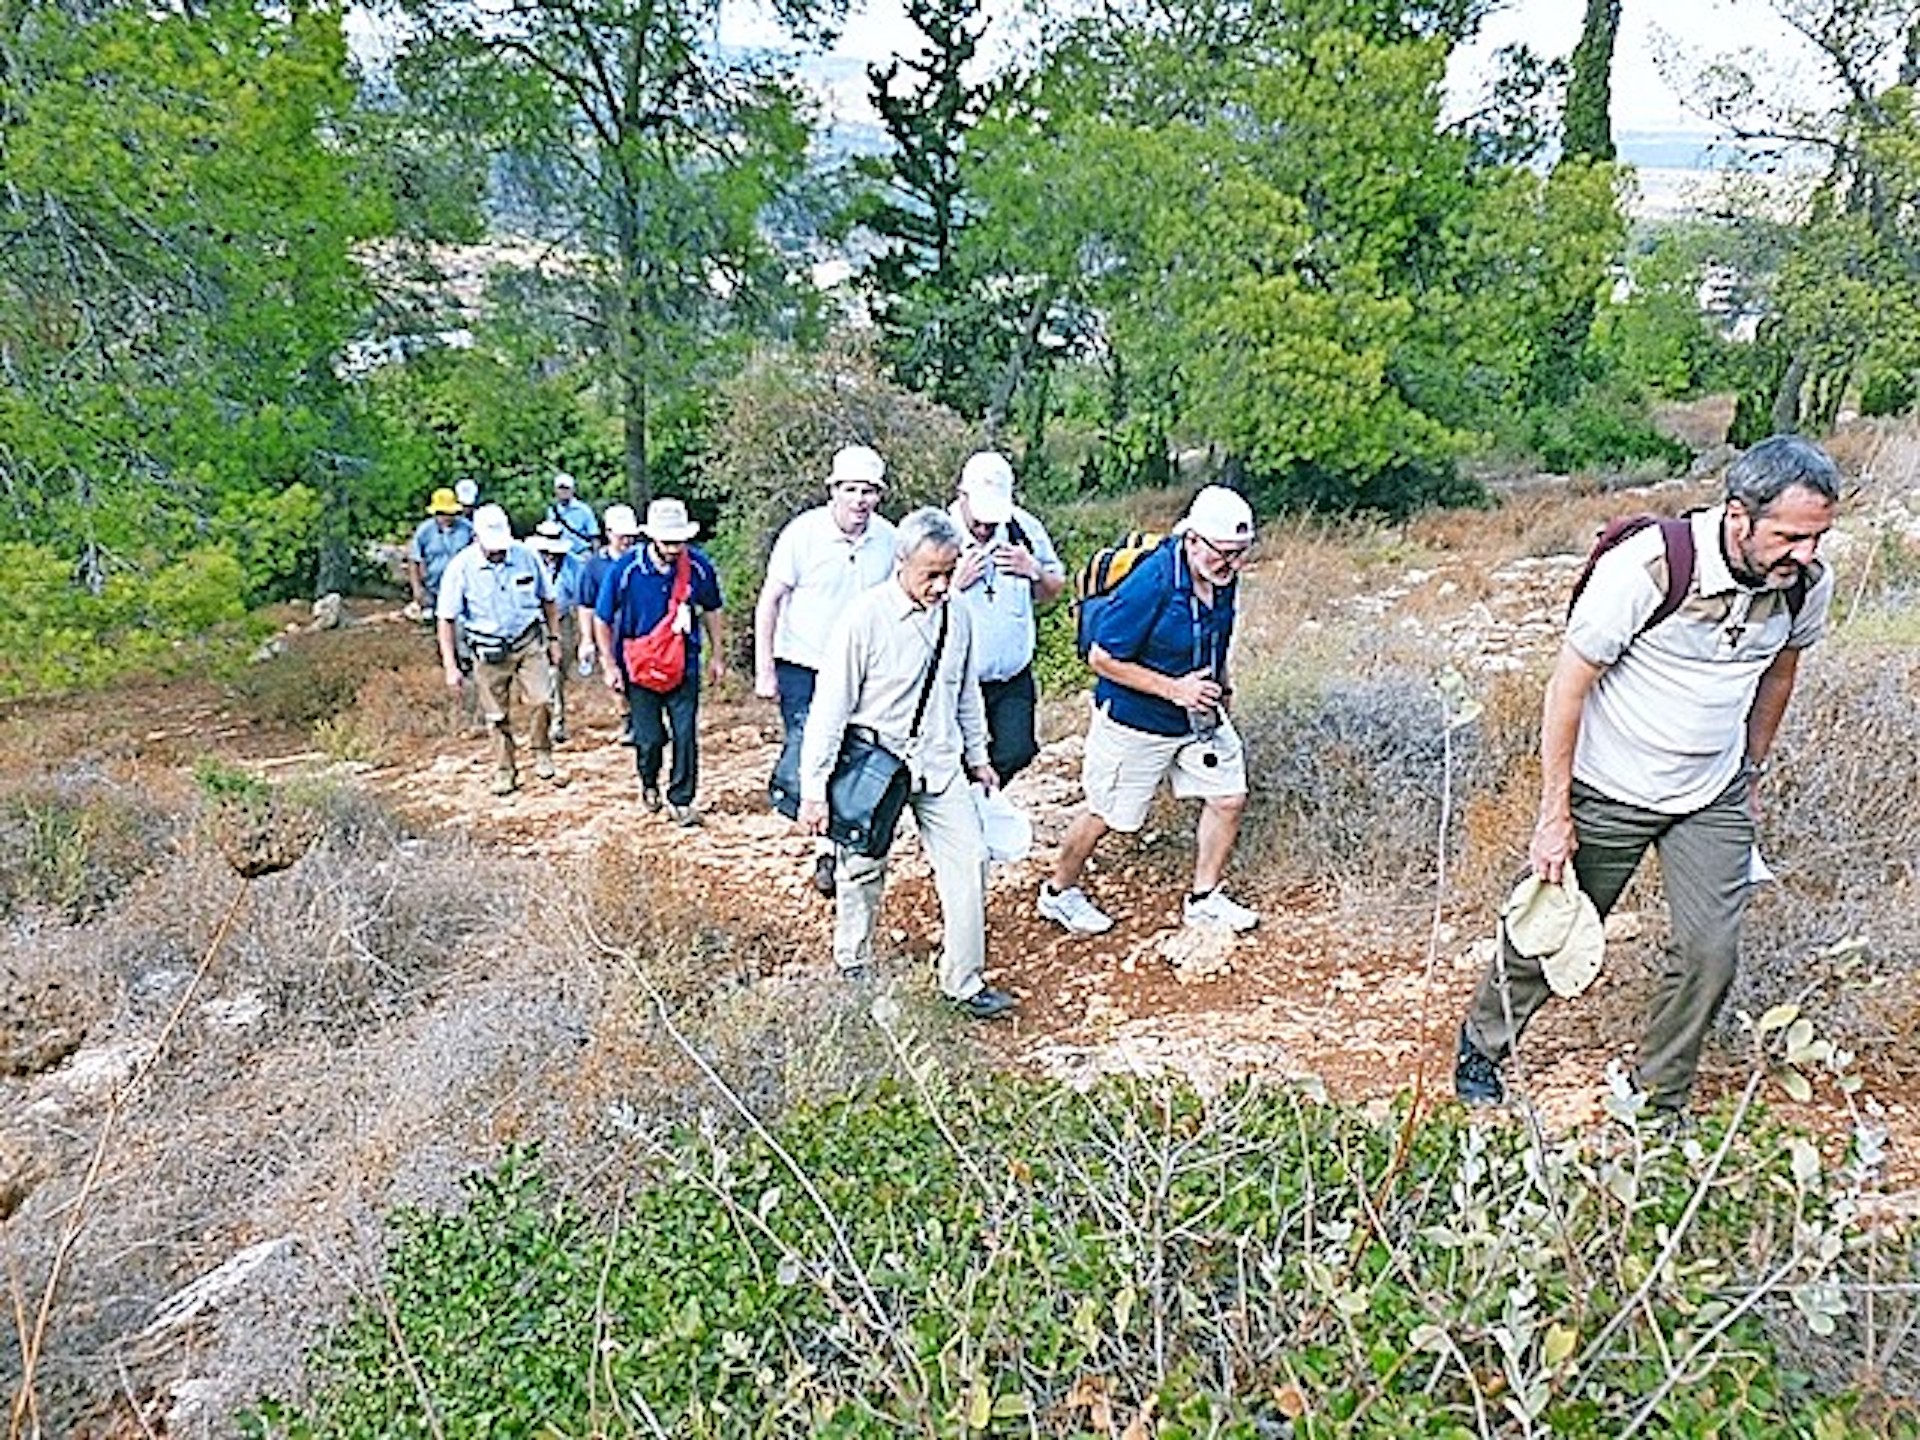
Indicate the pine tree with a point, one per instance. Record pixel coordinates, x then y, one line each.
1587 132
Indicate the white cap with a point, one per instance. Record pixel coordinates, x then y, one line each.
1220 514
859 464
562 480
491 528
466 491
987 482
621 520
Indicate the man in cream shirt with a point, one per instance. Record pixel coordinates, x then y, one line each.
875 666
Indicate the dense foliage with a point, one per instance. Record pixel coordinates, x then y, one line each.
1010 1259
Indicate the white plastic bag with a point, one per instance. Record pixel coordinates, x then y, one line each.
1008 831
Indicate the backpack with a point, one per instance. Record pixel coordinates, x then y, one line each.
1101 576
1677 533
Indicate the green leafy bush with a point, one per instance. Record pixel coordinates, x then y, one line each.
1016 1259
1599 427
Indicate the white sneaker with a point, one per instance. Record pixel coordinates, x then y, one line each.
1071 908
1214 908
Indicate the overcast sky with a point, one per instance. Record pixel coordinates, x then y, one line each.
1643 98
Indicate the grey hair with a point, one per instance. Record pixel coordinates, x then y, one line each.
929 525
1776 465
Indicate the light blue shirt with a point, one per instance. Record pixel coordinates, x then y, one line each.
570 585
577 520
433 549
496 601
1001 605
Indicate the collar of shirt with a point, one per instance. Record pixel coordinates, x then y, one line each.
1711 573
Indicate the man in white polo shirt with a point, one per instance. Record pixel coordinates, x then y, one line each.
824 558
1008 569
1656 732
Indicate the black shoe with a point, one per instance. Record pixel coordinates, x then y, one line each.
1476 1079
823 866
986 1004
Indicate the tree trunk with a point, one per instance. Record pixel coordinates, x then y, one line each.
1002 400
1786 399
630 350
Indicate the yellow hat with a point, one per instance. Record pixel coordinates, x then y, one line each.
444 502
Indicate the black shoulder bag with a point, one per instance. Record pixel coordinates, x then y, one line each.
869 785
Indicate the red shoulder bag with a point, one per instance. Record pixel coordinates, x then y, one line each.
657 660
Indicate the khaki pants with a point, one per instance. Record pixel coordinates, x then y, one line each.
526 670
1703 862
950 833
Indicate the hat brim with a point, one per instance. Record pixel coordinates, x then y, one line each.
549 545
672 534
1575 965
990 509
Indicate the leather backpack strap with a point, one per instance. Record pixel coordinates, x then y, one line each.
926 686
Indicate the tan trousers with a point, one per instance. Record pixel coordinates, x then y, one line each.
949 828
525 669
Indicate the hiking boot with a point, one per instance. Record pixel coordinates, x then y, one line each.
685 816
1476 1078
1072 909
986 1004
823 881
505 782
544 767
1214 908
650 797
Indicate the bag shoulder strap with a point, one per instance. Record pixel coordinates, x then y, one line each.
682 580
933 669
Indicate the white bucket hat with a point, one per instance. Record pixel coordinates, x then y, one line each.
668 521
1558 926
621 520
860 465
548 538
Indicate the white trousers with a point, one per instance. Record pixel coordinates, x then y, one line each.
950 833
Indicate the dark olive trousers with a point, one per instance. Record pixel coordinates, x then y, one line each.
1703 862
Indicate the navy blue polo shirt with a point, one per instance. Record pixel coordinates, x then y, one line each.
633 596
1154 619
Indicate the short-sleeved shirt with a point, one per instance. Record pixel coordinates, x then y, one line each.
1153 618
633 598
433 548
823 569
497 600
1002 605
577 519
1665 725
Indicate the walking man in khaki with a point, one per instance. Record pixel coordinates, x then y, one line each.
1656 732
501 594
875 666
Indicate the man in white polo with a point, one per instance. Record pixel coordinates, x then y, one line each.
824 558
1008 569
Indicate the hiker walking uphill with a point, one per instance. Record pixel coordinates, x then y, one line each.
655 608
499 593
438 538
1679 660
1158 644
1008 569
574 517
821 562
900 668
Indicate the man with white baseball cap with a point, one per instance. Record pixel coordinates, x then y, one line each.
502 595
1160 712
1008 570
822 560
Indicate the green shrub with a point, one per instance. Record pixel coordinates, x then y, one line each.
1888 392
1017 1259
1599 428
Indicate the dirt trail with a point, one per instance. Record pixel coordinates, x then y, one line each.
1330 988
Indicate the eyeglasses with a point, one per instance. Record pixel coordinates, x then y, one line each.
1231 554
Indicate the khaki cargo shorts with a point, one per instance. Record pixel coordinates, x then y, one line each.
1122 767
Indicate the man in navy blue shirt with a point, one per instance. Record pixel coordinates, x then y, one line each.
635 597
1160 652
